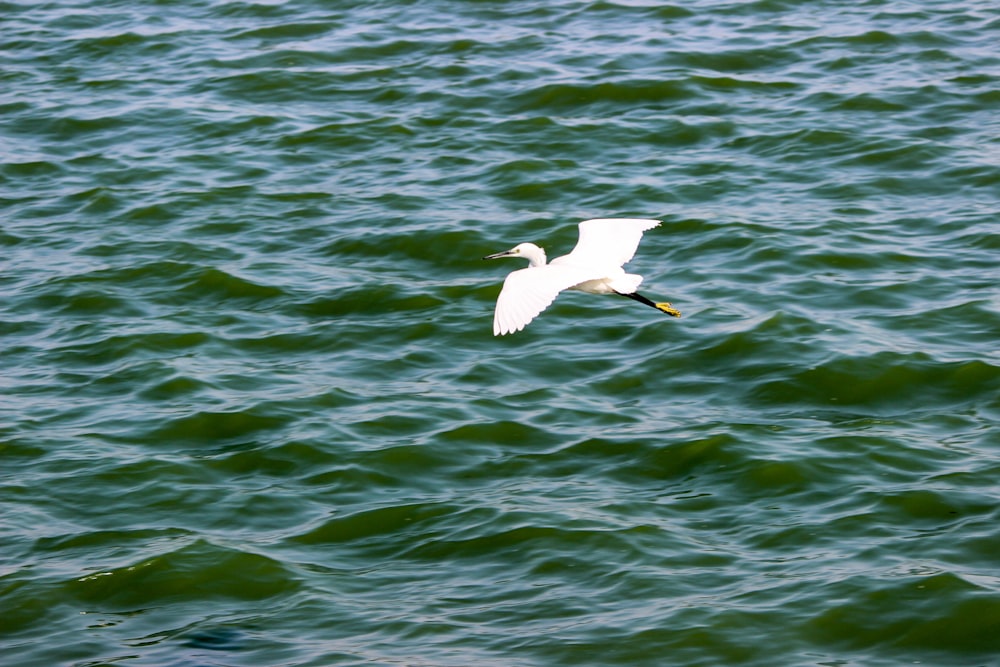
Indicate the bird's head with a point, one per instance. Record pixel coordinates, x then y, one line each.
528 251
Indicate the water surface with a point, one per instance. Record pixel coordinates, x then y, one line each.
252 412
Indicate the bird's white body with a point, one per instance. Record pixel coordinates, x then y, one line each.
594 266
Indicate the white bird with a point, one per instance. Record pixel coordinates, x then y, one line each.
594 266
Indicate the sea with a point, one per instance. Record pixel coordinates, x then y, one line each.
253 413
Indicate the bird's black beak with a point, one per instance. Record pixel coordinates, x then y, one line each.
505 253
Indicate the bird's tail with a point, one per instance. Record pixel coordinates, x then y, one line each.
626 284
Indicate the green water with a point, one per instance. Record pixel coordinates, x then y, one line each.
252 412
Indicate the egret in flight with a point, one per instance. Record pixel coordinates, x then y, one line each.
594 266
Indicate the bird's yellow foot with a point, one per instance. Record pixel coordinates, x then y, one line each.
668 309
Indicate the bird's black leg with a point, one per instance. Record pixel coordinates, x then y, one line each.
662 307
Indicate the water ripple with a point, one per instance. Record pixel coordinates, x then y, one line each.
253 414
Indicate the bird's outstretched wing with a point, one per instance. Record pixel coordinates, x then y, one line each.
527 292
607 241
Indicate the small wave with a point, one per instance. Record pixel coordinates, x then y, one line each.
561 96
215 428
200 570
216 284
886 381
375 523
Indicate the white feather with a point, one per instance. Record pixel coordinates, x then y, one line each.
594 266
